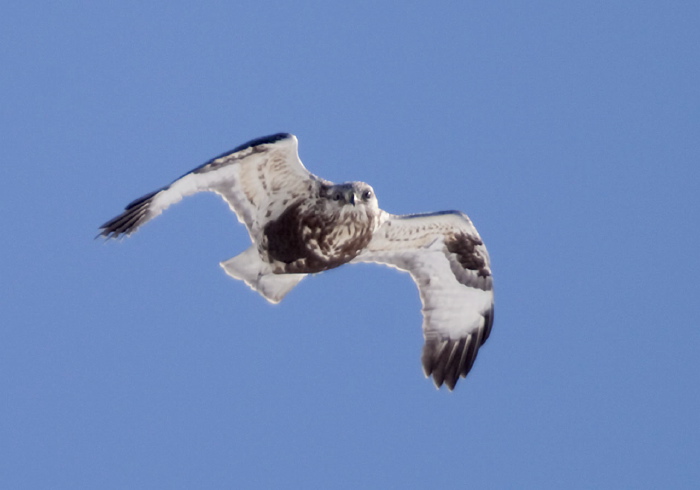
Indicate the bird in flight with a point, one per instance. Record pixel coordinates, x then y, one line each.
301 224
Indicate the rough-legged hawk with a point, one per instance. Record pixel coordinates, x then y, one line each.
301 224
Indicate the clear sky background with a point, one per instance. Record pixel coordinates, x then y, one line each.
568 131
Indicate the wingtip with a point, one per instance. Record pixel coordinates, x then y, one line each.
106 234
448 383
448 360
135 214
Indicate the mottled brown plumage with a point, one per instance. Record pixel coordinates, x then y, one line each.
312 236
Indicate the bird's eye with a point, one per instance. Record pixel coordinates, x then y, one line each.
366 195
337 196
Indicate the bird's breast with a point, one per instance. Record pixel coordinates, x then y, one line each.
305 240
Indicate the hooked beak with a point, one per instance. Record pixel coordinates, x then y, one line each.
350 197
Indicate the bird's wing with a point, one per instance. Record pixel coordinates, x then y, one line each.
258 179
448 261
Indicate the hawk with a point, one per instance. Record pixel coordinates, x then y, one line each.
301 224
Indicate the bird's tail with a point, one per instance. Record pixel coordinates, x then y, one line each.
249 267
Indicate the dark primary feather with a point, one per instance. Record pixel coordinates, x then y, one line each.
447 359
133 216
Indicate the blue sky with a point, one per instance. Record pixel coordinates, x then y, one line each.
568 131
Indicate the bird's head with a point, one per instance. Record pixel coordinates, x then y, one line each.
352 197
